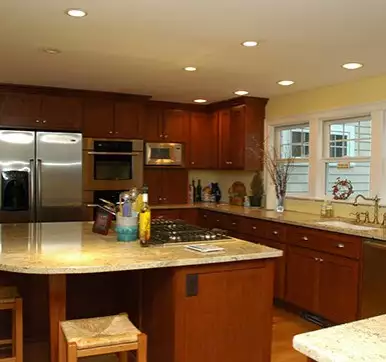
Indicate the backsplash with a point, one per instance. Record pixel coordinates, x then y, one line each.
224 178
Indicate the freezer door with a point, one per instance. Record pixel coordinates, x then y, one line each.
17 176
59 176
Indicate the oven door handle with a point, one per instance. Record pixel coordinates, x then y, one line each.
114 153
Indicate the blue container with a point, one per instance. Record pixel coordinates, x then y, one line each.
127 233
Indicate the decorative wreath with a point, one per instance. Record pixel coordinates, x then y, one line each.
342 189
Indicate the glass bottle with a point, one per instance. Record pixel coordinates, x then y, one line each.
199 191
144 219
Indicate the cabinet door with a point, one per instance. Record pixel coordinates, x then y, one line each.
237 137
128 120
153 178
203 143
338 293
189 215
98 118
224 118
62 113
302 280
152 127
280 266
21 110
176 125
175 186
240 299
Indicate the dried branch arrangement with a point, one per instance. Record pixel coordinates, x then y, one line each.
278 169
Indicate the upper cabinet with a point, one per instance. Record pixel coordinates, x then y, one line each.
41 111
241 135
105 118
203 141
170 125
128 120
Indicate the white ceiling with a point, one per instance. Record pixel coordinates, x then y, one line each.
141 46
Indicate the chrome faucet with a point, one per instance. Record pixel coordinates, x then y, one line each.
376 205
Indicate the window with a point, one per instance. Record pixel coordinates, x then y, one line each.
294 141
347 153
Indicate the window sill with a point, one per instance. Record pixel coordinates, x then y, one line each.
320 199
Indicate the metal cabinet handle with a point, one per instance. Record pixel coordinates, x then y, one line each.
192 162
37 121
230 162
254 227
160 136
166 136
340 245
164 199
111 132
305 238
275 232
218 220
205 216
160 199
316 259
321 260
116 132
44 121
233 223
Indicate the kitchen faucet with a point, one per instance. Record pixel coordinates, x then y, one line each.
376 205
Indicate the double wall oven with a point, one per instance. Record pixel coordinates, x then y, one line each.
112 164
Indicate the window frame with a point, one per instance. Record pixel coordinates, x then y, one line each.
277 144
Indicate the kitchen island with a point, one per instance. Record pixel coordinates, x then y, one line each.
193 306
359 341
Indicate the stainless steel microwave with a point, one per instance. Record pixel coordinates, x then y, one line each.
164 154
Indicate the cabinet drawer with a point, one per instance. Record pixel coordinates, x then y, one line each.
275 231
252 227
334 243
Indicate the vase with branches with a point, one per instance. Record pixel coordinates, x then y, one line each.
279 170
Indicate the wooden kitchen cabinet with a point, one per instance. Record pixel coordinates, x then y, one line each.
62 113
170 125
128 120
338 288
39 111
98 118
324 284
166 186
302 286
209 313
21 110
203 141
241 135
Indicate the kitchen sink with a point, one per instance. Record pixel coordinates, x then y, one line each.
345 225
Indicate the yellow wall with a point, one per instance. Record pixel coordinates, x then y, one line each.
362 91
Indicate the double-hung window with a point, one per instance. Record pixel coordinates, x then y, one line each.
293 141
347 152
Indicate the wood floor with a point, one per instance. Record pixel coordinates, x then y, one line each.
285 326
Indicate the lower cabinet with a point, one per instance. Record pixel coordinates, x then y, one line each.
324 284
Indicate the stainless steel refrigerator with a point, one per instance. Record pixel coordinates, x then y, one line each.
41 176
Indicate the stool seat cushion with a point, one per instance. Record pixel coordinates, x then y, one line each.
8 294
99 332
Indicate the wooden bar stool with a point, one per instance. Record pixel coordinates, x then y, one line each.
10 300
99 336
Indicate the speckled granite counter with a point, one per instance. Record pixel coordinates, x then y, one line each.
288 217
359 341
72 248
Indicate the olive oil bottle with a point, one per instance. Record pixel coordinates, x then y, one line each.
144 219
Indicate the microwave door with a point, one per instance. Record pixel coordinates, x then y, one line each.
17 160
159 154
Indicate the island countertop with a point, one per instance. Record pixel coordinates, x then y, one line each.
72 248
360 341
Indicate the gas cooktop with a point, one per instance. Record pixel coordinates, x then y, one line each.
165 232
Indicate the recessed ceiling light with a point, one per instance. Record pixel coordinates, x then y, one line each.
51 51
76 13
250 43
200 100
241 92
352 66
190 69
285 83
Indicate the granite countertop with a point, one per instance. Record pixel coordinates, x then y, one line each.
364 340
288 217
72 248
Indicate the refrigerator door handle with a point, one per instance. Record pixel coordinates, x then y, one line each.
38 187
32 189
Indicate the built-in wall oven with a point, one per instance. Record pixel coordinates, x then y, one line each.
112 164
